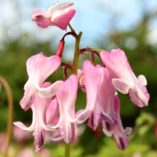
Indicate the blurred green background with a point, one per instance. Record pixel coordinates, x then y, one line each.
20 39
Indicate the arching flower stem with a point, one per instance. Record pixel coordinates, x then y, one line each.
92 50
72 29
62 43
8 91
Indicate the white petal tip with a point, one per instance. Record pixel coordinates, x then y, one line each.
142 79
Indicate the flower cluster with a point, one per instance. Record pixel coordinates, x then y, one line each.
53 104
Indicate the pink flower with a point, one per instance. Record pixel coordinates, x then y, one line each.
42 117
39 67
102 103
124 80
66 97
92 79
58 15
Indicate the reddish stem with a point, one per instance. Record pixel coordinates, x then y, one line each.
89 50
62 43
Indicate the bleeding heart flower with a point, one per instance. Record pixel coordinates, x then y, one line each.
92 80
58 15
39 67
66 97
42 117
102 104
124 80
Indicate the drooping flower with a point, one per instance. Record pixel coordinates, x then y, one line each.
102 103
42 117
124 80
102 111
58 15
66 97
92 80
39 67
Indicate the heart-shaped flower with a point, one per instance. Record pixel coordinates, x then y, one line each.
58 15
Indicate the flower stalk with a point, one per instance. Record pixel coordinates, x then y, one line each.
72 29
76 53
62 43
7 88
67 150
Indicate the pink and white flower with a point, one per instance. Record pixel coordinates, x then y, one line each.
102 104
124 80
66 97
92 78
42 117
39 68
58 15
99 94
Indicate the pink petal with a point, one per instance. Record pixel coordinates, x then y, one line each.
23 127
41 18
124 80
49 91
120 85
82 115
93 77
52 113
142 79
39 136
117 63
54 135
119 133
67 96
60 7
27 99
39 68
66 99
63 20
106 102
